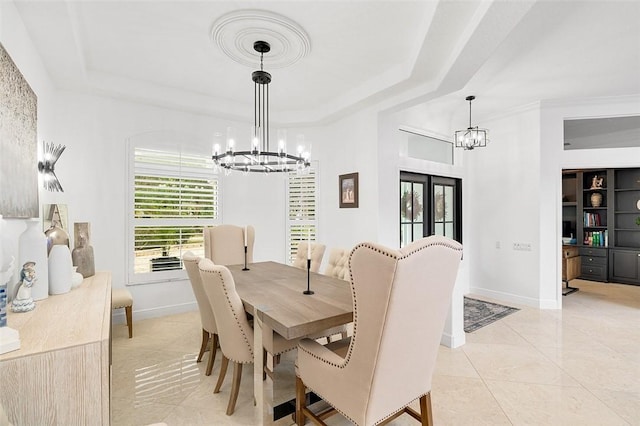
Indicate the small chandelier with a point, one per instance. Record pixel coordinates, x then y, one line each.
260 158
471 137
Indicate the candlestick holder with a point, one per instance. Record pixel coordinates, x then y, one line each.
245 259
308 290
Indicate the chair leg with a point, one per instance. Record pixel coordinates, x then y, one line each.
223 372
128 312
235 387
425 410
264 364
212 354
301 401
203 345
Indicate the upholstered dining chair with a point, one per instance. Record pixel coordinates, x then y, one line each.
338 267
234 331
317 253
401 300
224 244
338 264
209 329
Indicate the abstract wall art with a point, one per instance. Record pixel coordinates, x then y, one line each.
18 142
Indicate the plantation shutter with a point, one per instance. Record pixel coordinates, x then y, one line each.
302 219
175 196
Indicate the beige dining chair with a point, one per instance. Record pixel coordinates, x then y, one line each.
235 333
401 300
338 267
317 253
208 321
224 244
338 264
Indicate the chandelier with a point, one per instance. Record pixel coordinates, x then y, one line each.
471 137
260 158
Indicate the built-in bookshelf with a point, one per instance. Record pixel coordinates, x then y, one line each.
602 208
627 208
624 261
594 208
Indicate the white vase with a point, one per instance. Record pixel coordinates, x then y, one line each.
76 278
32 247
60 269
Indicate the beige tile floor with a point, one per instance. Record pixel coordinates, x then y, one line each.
578 366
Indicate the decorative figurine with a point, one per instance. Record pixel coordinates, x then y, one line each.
23 302
82 254
597 182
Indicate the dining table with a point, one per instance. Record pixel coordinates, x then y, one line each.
274 294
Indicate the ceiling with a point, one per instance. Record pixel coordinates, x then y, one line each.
341 55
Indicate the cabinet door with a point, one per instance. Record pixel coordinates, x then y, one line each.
625 266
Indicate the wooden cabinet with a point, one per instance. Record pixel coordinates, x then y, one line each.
594 263
625 266
570 267
61 373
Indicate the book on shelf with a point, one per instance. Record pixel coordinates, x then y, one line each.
592 219
596 238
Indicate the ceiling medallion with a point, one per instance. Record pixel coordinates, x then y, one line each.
235 32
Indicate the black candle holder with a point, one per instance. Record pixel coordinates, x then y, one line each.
308 290
245 259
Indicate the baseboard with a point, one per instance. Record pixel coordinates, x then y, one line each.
118 316
452 341
513 298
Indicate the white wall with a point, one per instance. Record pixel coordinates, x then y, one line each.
504 184
347 146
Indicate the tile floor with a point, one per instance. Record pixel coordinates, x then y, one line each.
578 366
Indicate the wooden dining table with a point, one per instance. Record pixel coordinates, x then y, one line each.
273 293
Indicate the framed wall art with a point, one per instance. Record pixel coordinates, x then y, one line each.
348 189
18 142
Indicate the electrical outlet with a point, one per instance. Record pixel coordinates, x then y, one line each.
522 246
497 244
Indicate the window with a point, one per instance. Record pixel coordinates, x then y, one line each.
301 219
423 147
174 196
429 205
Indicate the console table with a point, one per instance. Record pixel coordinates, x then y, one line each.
61 373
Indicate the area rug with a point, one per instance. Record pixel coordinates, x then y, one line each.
478 313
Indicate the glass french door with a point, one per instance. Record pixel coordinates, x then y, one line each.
429 205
